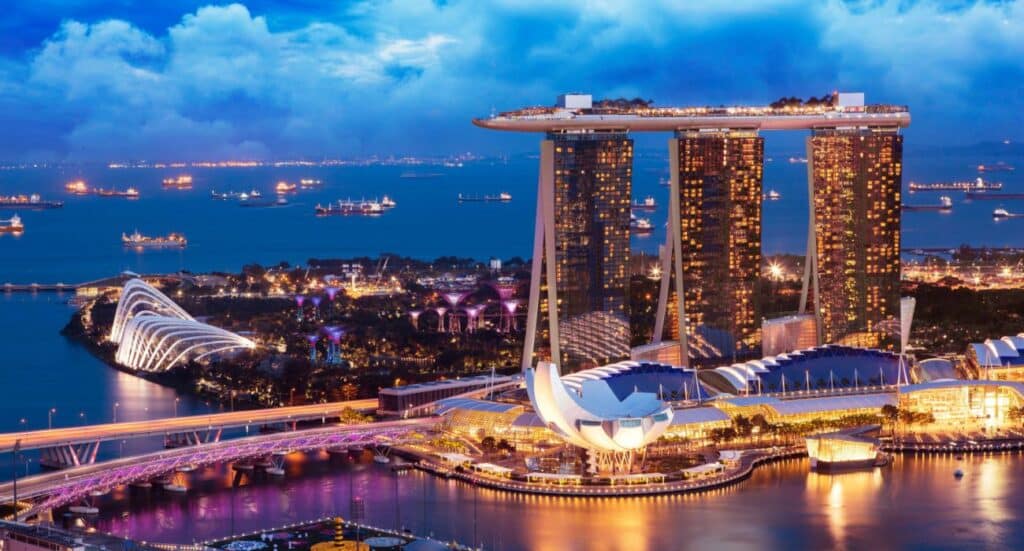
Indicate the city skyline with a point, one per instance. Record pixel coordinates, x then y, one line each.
103 82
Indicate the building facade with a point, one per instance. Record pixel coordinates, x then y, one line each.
855 178
593 175
720 198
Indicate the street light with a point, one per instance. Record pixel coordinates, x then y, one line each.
176 400
116 405
49 418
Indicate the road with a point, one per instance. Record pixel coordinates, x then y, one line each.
64 486
135 429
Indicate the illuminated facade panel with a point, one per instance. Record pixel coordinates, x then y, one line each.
593 174
720 197
856 177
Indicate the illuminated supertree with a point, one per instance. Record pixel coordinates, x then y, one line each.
414 317
453 300
312 346
299 300
331 292
316 305
509 308
334 335
440 318
472 317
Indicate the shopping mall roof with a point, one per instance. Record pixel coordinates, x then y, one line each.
449 404
686 416
958 383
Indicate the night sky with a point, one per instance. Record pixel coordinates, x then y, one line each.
129 80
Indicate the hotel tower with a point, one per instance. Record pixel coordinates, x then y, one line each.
712 258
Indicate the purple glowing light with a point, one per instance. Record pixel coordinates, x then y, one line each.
453 299
511 306
316 301
299 299
312 338
415 314
331 292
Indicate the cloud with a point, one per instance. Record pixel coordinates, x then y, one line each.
286 79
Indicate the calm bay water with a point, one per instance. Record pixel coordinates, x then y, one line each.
916 503
82 240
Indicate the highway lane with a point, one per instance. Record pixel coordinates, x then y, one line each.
43 484
135 429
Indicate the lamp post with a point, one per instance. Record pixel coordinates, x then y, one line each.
14 478
116 405
176 401
49 418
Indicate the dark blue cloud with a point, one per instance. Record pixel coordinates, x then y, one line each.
113 79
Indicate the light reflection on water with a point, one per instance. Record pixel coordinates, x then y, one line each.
915 503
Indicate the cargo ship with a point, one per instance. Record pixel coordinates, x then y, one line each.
309 182
994 196
640 226
419 175
284 187
977 185
77 187
130 193
388 202
945 204
772 195
180 182
647 204
253 194
12 225
139 241
246 200
999 214
502 197
997 167
347 207
33 201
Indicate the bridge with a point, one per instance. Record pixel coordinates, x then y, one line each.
73 446
55 489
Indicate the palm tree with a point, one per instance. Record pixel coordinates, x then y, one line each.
891 414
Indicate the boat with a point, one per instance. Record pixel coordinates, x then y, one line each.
381 458
309 182
33 201
388 202
180 182
997 167
130 193
284 187
958 473
640 225
796 160
945 204
502 197
987 195
420 175
275 471
253 194
1003 213
772 195
140 241
347 206
176 488
647 204
83 510
77 187
977 185
12 225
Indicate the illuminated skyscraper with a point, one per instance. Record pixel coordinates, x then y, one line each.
593 173
720 198
855 178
